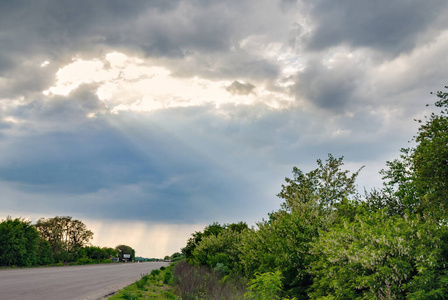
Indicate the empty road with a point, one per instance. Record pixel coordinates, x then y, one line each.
75 282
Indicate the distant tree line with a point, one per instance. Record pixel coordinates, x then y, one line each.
52 240
329 242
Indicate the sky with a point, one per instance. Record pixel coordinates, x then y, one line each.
148 120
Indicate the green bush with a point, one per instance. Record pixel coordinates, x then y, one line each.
265 286
378 255
168 295
167 277
142 282
84 261
221 269
19 243
129 296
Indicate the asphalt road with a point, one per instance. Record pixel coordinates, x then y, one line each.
75 282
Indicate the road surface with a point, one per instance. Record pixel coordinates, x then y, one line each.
75 282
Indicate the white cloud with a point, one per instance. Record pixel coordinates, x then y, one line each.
132 84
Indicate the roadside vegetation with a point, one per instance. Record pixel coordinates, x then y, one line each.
326 241
53 241
156 285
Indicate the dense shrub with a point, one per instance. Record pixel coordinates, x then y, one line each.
19 243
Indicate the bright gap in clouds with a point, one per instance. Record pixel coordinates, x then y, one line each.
128 83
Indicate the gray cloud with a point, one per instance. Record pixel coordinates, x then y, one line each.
329 88
356 96
389 26
238 88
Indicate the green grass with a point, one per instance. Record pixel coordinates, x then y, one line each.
150 286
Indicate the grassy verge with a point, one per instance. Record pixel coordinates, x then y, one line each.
151 286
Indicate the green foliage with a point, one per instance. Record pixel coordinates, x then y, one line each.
129 296
149 287
211 230
19 243
142 282
237 227
95 253
167 277
219 258
221 269
265 286
400 193
168 295
430 158
328 184
66 237
125 249
44 254
177 256
378 199
283 243
378 254
223 248
85 261
329 242
418 179
217 244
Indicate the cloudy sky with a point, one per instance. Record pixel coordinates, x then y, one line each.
148 120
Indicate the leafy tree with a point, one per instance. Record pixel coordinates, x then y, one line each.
19 243
222 248
125 249
177 256
378 256
399 193
417 181
430 157
378 199
212 229
65 235
283 243
328 184
110 251
44 254
237 227
265 286
97 253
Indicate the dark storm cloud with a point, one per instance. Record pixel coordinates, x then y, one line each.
66 24
159 27
328 88
388 26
